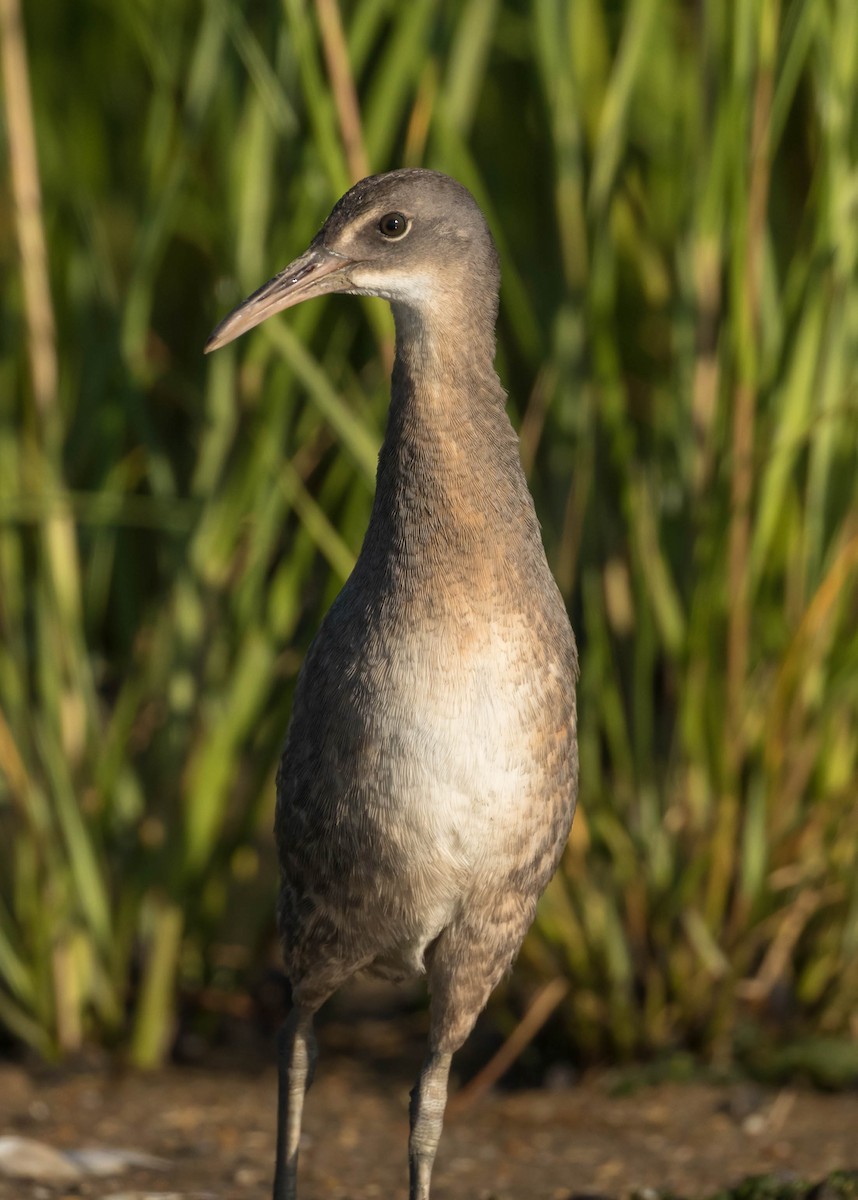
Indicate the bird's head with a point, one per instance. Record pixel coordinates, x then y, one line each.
413 237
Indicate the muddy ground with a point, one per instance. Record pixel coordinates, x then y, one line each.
215 1130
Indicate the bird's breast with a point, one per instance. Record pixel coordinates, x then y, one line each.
440 728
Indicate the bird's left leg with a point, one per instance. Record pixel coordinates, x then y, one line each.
428 1101
465 965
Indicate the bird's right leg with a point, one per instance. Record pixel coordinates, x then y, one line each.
296 1061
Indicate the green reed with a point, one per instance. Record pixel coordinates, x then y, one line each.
674 190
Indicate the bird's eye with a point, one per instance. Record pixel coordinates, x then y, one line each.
393 225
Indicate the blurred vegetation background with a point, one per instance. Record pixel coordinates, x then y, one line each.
673 186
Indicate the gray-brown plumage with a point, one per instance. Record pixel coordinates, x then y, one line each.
429 776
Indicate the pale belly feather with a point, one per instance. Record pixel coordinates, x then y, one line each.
459 777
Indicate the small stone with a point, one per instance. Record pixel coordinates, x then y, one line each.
162 1196
103 1161
146 1196
754 1125
25 1158
247 1177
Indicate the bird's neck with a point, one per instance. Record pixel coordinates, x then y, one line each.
450 488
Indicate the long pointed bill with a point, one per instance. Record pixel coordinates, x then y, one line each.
316 272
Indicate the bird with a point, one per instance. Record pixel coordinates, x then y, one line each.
429 775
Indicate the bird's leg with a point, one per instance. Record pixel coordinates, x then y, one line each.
428 1101
296 1061
464 965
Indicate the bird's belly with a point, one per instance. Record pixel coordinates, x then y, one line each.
459 749
432 774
